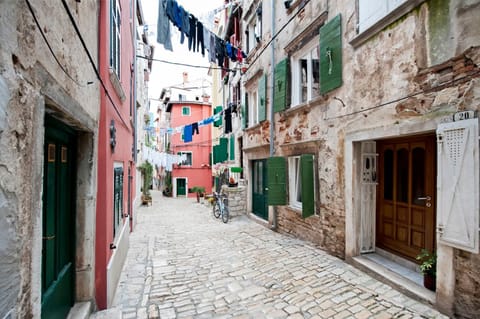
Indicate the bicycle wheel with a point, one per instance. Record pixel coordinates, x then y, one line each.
216 209
225 214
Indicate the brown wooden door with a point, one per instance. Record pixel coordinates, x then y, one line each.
405 219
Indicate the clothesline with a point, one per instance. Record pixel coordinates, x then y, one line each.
189 130
199 37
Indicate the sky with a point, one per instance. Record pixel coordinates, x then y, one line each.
164 75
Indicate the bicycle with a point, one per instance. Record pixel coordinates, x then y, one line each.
220 206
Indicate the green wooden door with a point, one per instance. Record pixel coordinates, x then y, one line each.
259 190
58 241
181 187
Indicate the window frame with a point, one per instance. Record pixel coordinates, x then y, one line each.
115 37
254 30
253 107
186 108
294 169
296 81
387 19
294 182
117 202
186 162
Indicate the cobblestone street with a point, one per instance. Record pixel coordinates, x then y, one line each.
184 263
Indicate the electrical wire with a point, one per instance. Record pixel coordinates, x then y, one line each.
278 32
444 84
186 64
49 46
92 63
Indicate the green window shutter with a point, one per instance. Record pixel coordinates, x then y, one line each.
222 154
331 55
218 109
245 112
308 193
276 181
215 154
281 86
262 97
232 147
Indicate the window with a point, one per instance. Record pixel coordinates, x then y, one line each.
370 12
117 196
254 30
301 186
115 39
188 158
253 108
186 111
295 185
305 74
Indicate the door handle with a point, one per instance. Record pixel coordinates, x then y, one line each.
266 188
48 237
427 198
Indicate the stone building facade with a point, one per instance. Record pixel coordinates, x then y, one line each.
49 111
362 135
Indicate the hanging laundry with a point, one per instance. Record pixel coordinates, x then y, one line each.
195 128
185 24
187 133
211 50
163 26
239 56
228 47
228 120
234 54
206 38
192 39
200 40
177 19
219 51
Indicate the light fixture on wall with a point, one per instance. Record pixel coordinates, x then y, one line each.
287 4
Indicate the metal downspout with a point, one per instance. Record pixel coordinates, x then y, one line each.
134 113
272 115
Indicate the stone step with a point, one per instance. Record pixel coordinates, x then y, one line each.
112 313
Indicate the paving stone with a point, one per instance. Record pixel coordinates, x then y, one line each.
198 267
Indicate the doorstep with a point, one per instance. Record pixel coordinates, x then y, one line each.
80 310
395 279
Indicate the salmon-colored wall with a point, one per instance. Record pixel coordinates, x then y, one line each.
200 173
124 137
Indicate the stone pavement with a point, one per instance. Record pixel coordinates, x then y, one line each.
184 263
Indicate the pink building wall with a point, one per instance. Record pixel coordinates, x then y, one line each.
200 173
121 154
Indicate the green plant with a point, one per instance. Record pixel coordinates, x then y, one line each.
428 264
147 171
200 190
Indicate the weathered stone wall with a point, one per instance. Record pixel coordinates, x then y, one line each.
30 83
467 285
237 200
424 53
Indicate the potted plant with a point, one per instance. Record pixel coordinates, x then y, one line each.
200 190
428 267
147 171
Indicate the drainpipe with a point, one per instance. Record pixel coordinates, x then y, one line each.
272 115
134 113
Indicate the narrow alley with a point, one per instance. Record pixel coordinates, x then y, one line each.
184 263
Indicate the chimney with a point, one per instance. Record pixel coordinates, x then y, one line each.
185 77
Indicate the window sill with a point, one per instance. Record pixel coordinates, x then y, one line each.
297 108
254 127
116 84
391 17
